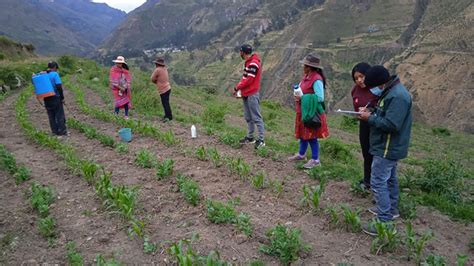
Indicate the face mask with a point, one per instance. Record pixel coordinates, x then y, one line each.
376 91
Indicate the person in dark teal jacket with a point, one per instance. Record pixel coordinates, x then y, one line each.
390 127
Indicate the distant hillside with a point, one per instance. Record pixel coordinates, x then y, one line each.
438 66
414 35
11 50
58 26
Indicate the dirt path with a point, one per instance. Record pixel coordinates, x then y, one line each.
78 213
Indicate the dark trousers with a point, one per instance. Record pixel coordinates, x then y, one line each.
57 119
165 101
117 109
364 138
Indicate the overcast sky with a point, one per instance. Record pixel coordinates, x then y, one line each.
125 5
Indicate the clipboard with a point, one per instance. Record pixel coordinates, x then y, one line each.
353 113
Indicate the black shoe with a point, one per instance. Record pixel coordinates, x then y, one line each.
247 140
259 144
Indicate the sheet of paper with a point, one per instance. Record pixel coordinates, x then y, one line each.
347 112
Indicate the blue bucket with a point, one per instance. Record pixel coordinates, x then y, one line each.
43 86
125 134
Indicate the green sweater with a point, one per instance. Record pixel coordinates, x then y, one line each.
309 106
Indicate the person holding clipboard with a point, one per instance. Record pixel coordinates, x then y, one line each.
362 96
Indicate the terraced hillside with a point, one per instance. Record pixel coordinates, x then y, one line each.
134 203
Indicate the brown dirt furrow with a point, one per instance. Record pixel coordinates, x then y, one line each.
77 211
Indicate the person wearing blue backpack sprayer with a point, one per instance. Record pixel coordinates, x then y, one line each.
54 104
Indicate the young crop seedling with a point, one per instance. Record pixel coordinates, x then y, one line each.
243 224
434 260
285 243
164 169
183 254
136 228
41 198
387 239
238 165
218 212
461 260
121 148
73 256
351 219
415 246
333 213
276 186
145 159
201 153
358 190
215 157
258 180
407 206
21 175
102 261
312 196
168 138
89 169
149 247
46 227
263 152
190 189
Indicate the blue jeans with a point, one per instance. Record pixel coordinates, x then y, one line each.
384 184
314 148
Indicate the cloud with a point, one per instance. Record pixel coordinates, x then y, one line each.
125 5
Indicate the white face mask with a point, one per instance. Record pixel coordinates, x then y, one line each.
376 91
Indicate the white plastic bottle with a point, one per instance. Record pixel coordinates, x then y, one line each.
193 132
297 91
239 94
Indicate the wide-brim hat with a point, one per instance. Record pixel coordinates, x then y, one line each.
312 61
120 59
160 61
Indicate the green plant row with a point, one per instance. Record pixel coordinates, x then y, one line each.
8 163
91 133
145 128
117 199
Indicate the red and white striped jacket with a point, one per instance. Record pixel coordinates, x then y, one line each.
250 82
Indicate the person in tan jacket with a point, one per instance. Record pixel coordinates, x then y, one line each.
161 79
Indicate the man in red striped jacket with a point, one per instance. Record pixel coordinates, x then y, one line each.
249 87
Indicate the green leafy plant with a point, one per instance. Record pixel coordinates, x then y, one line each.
21 175
263 152
415 246
333 213
351 219
168 138
407 206
277 186
434 260
387 239
102 261
218 212
145 159
440 131
46 227
41 198
239 166
258 180
230 138
73 256
201 153
312 196
164 169
121 148
285 243
243 224
461 260
357 189
137 227
215 156
183 254
89 169
443 177
149 247
190 189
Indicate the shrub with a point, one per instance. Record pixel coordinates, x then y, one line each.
440 131
443 177
285 243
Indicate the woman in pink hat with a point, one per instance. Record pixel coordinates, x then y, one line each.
120 80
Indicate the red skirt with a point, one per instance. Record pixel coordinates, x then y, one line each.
306 133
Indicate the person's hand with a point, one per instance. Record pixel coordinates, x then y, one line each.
297 98
234 92
364 114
